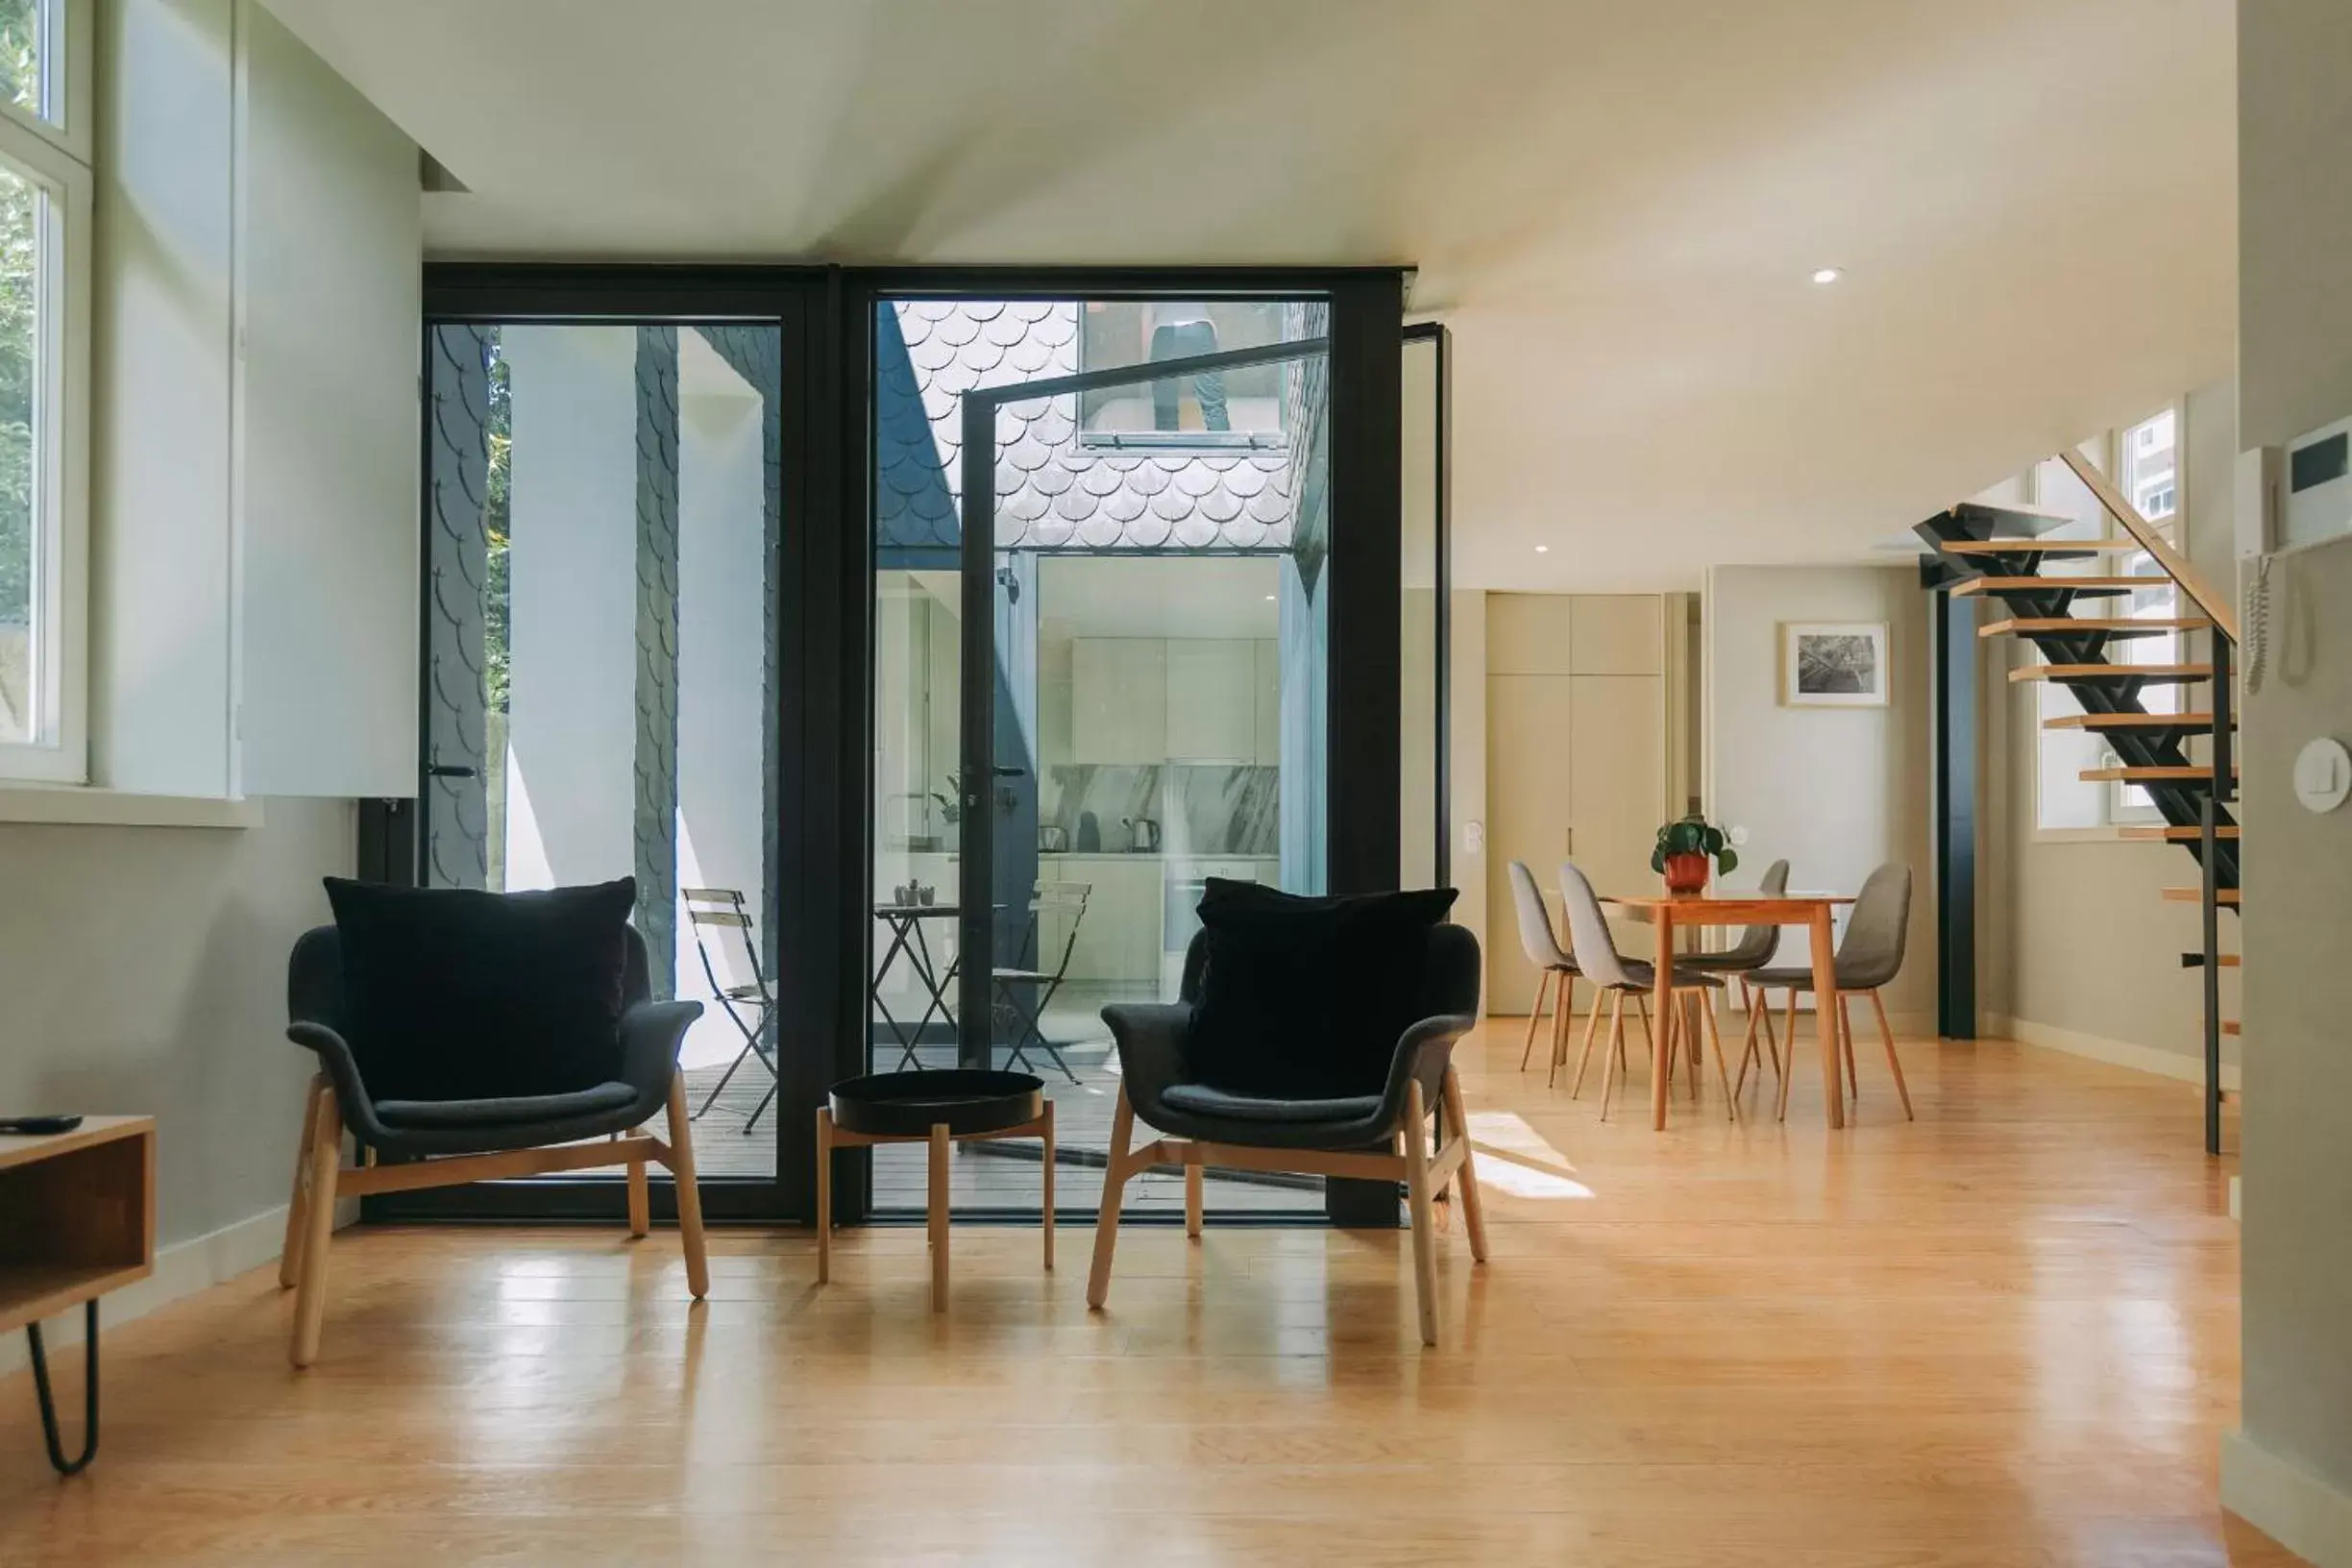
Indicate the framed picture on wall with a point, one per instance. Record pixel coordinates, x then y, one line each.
1834 664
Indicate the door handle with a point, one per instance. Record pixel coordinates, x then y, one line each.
446 770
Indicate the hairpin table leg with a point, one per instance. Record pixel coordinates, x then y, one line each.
89 1394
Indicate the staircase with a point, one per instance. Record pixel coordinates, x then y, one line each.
1991 554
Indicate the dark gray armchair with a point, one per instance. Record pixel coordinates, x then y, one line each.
420 1142
1342 1133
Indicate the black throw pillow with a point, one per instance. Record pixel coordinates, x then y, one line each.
1307 997
454 994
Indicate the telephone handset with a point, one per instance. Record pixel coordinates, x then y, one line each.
2257 622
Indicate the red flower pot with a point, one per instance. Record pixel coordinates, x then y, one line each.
1687 873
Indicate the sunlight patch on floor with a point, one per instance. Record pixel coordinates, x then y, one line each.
1513 1157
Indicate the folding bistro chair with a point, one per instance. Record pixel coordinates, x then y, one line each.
721 919
1061 898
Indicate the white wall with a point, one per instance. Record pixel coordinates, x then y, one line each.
2290 1469
572 703
253 374
1835 792
144 968
721 628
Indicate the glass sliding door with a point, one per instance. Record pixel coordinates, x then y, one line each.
1144 626
602 520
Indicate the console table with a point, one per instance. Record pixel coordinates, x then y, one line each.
77 1220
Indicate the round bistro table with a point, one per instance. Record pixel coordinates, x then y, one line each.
937 1107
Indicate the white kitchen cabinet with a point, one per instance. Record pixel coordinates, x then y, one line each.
1119 700
1211 700
1119 938
1267 657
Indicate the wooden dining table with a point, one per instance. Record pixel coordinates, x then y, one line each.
1672 914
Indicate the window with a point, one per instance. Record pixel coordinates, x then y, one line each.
1224 409
2145 459
44 223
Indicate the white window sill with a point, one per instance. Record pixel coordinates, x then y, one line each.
85 807
2091 835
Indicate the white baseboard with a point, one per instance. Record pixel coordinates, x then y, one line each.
181 1269
2116 1053
2286 1501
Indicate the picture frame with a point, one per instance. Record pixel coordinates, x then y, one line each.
1834 664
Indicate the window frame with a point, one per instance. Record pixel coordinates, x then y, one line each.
1178 442
53 154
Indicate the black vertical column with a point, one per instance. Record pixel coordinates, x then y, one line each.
1367 542
1956 739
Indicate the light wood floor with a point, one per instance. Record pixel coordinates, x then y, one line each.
2004 1334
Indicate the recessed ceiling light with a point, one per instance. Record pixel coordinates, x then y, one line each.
1827 275
1543 550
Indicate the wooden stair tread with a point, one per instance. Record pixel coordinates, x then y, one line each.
2061 584
2130 721
2015 546
2113 672
2149 775
2176 835
2028 625
2194 896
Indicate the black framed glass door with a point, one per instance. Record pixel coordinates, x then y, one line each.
604 683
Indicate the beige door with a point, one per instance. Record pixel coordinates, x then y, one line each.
1529 785
1575 761
1617 778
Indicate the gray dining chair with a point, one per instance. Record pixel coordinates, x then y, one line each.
1541 944
1868 957
1736 963
1601 964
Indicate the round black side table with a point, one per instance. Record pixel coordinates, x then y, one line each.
937 1107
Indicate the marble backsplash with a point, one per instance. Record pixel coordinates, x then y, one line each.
1202 808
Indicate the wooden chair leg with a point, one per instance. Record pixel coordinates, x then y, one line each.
1789 1060
1563 1006
1693 1001
1543 979
1611 1070
1722 1075
824 1193
1592 1021
1424 1219
1192 1201
639 1199
1465 1178
1114 1195
289 1255
326 1154
681 1163
1048 1197
1903 1090
1772 1044
1749 1051
1845 1021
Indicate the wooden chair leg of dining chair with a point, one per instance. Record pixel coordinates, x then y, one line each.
1788 1060
1772 1044
1543 979
1696 1000
1564 1003
1845 1019
1592 1022
1747 1044
1723 1073
1903 1090
1613 1071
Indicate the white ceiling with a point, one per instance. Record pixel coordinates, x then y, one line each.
1615 205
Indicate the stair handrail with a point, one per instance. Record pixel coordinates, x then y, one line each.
2217 606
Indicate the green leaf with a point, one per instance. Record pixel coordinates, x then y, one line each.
1657 860
1726 861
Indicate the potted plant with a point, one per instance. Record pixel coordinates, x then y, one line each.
1684 848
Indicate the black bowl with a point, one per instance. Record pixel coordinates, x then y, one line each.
910 1104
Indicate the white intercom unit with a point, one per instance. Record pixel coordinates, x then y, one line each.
2297 495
